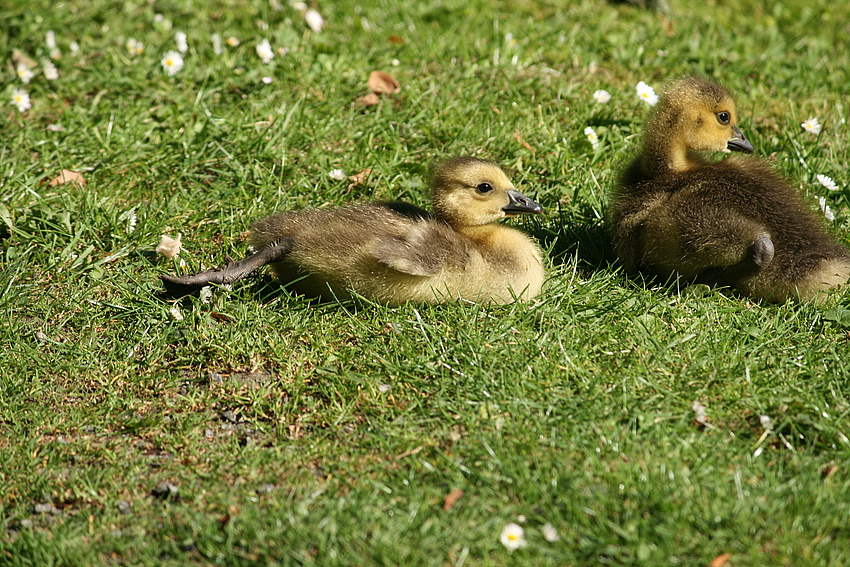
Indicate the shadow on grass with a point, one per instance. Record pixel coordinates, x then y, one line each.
582 236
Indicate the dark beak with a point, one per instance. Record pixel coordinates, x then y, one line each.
740 143
521 205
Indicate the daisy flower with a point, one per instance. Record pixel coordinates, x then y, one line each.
24 73
827 212
827 182
232 41
21 99
175 313
267 80
592 137
75 47
50 39
172 63
132 219
337 174
812 125
182 44
134 47
216 42
169 247
300 6
550 534
647 94
601 96
50 72
314 20
699 413
264 50
512 536
766 422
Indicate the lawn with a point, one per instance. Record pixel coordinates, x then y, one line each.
617 421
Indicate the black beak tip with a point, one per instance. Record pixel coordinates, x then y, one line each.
740 143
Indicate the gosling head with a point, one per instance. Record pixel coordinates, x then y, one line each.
694 114
469 191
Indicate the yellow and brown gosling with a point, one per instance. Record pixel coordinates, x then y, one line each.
395 253
732 222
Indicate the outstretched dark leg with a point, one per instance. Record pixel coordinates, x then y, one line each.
759 257
272 252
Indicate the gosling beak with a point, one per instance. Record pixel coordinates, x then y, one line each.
520 204
740 143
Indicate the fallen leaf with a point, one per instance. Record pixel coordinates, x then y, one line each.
166 491
383 83
18 58
720 560
451 499
68 176
829 471
524 144
370 99
396 39
359 178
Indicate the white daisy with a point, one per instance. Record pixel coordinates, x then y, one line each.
827 182
232 41
172 62
550 534
24 73
182 43
264 50
267 80
216 42
699 413
601 96
647 94
21 99
337 174
75 47
314 20
175 313
135 47
512 536
50 39
827 212
50 72
592 137
812 125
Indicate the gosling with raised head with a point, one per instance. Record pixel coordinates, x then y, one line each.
396 252
732 222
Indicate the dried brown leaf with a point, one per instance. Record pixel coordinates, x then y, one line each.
720 560
359 178
19 58
68 176
452 498
370 99
522 142
383 83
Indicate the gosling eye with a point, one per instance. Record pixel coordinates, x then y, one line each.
484 188
723 118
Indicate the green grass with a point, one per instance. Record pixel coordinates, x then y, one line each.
324 434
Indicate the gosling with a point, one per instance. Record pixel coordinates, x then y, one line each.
727 223
394 253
